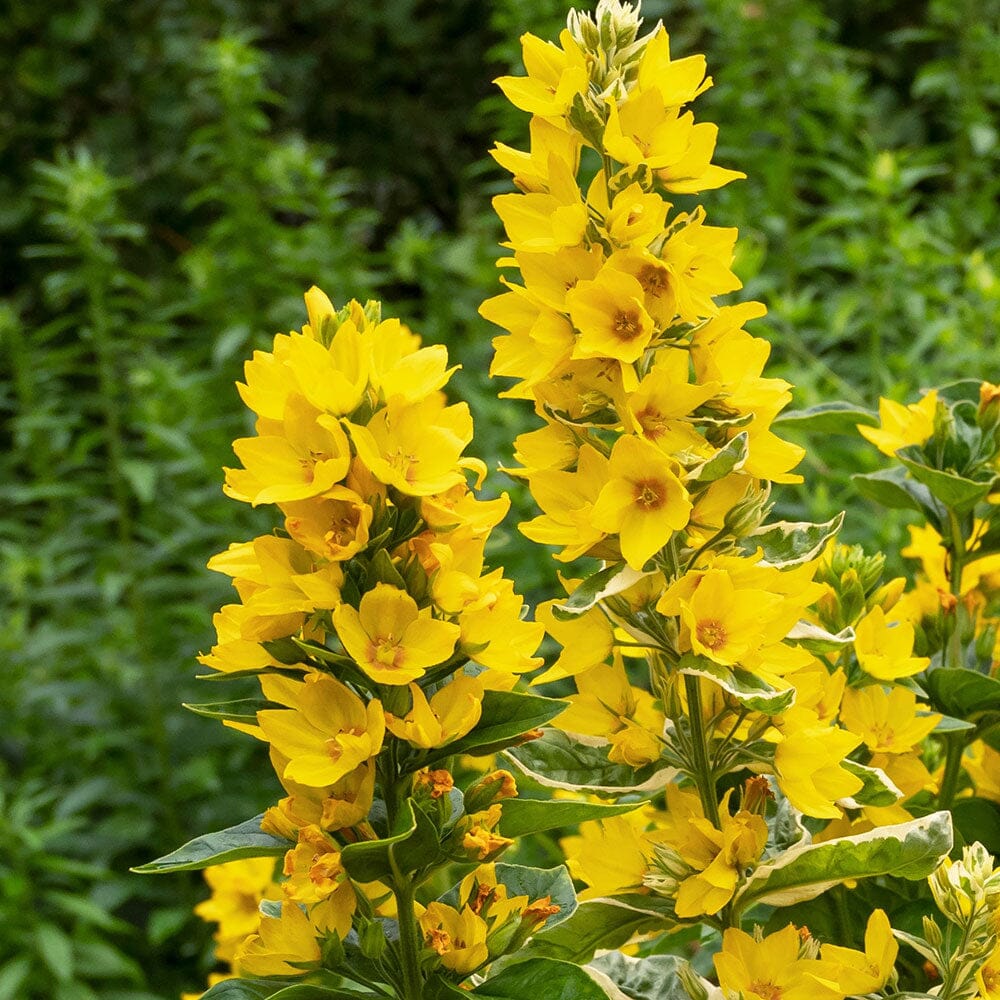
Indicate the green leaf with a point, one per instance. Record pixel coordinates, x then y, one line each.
909 850
506 716
745 687
655 977
413 847
605 582
828 418
242 710
580 763
893 488
12 977
245 840
878 789
522 817
607 922
562 981
724 461
791 543
55 948
953 490
817 640
963 693
272 989
978 819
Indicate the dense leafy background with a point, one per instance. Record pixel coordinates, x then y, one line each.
174 173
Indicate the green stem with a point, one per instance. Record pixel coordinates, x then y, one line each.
702 773
954 748
409 941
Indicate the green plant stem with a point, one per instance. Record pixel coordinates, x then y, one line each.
409 945
703 775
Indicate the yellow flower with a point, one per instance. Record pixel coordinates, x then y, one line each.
983 764
555 76
531 170
611 317
452 711
314 873
334 526
887 722
237 890
289 945
771 968
610 855
644 501
325 733
586 640
390 638
902 425
885 651
457 936
807 762
988 976
868 971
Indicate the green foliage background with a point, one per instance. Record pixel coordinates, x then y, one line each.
174 174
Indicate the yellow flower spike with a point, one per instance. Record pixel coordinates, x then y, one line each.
660 403
983 765
304 455
808 766
886 721
232 651
390 638
545 222
326 731
886 651
415 447
548 277
451 712
610 855
319 309
494 633
459 508
644 502
555 76
901 425
641 130
868 971
334 526
457 936
634 745
771 968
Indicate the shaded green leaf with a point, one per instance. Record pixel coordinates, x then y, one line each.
724 461
413 846
828 418
878 788
963 693
791 543
893 488
562 981
978 819
747 688
953 490
241 710
245 840
605 582
655 977
522 817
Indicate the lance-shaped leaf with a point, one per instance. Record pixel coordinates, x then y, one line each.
724 461
577 762
951 489
245 840
413 846
606 922
748 689
893 488
506 715
264 989
791 543
817 640
878 788
522 817
909 850
242 710
656 977
535 883
963 693
540 977
605 582
828 418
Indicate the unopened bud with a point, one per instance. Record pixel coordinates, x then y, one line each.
756 795
434 784
932 933
888 595
372 939
490 788
988 415
744 517
694 986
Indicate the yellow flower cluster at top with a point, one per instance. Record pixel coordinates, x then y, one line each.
368 615
655 457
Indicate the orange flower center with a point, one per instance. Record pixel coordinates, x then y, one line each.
712 634
653 279
385 649
650 494
765 990
626 325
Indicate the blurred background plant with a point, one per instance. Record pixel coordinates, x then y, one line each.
174 174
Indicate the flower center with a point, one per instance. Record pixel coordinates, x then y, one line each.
649 494
765 990
712 634
653 279
626 325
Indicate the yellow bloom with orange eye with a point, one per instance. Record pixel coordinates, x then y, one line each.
609 314
867 971
700 258
988 976
390 639
303 455
458 937
640 130
232 651
772 968
555 76
334 526
884 650
452 711
901 426
808 766
313 873
634 217
654 277
459 508
662 400
548 277
725 623
494 632
289 945
643 502
237 890
546 222
567 499
326 731
886 721
416 447
531 170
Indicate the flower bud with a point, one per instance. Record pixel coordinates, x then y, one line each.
744 517
988 415
490 788
932 933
